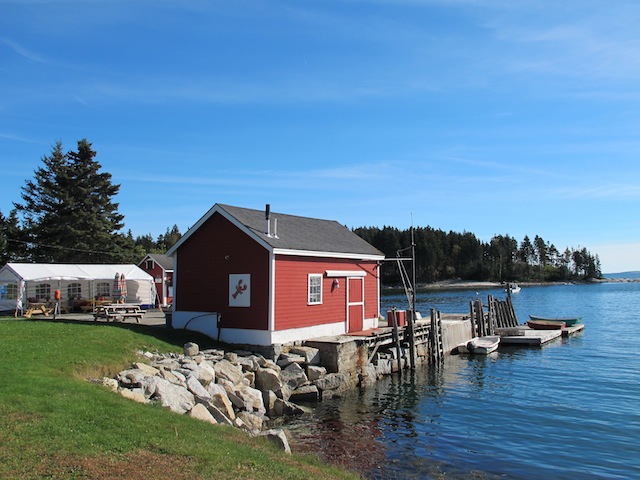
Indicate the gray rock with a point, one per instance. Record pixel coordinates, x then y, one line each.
250 378
200 412
287 359
167 364
278 438
251 399
191 349
216 388
282 407
136 395
311 355
334 381
252 421
305 393
294 376
270 364
249 364
228 371
173 377
218 415
314 372
131 378
268 379
205 373
222 402
231 357
110 383
269 399
177 399
195 387
148 369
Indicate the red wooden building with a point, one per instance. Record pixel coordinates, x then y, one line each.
261 278
160 267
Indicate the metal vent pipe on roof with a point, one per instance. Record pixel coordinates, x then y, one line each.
267 215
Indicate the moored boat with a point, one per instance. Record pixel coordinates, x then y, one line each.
514 288
480 345
545 325
568 321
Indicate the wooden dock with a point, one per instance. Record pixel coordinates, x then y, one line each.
578 327
527 336
523 335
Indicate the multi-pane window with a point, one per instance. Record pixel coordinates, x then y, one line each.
74 290
10 291
103 289
43 291
315 289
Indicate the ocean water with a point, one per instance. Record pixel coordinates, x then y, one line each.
570 409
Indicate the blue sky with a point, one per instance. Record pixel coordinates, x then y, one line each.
486 116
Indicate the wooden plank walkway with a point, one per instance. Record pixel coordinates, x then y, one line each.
530 337
578 327
523 335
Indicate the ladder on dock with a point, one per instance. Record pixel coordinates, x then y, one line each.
436 346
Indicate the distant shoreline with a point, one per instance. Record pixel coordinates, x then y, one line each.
476 285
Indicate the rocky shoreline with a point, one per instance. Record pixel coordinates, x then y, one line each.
239 389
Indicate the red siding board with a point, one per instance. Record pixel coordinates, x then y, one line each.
205 261
291 307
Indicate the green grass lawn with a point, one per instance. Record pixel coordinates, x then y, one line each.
56 423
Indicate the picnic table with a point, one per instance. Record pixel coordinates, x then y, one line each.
38 308
118 311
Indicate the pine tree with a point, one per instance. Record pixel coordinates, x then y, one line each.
68 210
14 242
4 252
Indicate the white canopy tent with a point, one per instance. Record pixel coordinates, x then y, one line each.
22 282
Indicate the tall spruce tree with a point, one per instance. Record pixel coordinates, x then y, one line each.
68 210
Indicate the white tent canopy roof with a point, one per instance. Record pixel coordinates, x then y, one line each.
62 271
28 276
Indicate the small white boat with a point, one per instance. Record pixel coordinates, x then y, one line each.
480 345
514 288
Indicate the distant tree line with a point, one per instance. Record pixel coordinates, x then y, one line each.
450 255
67 214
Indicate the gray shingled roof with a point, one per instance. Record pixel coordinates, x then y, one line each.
302 233
163 260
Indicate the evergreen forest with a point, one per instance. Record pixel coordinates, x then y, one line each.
68 213
451 255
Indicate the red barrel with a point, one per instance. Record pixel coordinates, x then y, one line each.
401 318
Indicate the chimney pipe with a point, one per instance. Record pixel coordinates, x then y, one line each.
267 215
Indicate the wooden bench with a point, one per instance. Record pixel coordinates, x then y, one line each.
137 315
116 311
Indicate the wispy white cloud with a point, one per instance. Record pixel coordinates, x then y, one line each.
24 52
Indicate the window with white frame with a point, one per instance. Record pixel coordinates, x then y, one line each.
74 290
10 291
43 291
315 289
103 289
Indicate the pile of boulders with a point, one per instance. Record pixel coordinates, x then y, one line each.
240 389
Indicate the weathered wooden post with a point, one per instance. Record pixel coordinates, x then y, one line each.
435 338
396 338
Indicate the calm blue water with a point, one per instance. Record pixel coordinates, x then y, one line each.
570 409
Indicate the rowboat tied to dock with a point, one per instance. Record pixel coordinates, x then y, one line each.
568 321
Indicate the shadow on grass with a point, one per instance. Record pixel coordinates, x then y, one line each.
176 337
